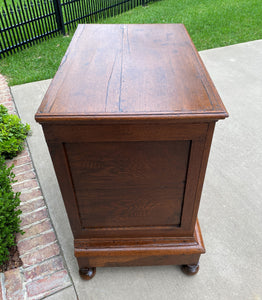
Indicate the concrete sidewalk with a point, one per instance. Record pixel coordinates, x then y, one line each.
231 208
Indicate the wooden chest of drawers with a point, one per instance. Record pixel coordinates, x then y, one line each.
129 119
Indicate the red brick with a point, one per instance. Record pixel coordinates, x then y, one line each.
34 217
25 176
40 255
34 243
46 268
48 285
35 229
25 185
14 284
21 169
19 161
28 207
23 153
30 194
8 104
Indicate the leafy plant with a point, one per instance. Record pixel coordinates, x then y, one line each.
12 134
9 214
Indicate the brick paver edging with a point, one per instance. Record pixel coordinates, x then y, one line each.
43 272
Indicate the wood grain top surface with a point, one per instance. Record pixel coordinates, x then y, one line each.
125 72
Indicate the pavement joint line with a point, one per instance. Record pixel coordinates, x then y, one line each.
33 224
31 212
40 247
53 291
24 181
31 200
24 172
29 268
30 162
32 189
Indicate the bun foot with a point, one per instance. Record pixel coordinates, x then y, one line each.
87 273
190 269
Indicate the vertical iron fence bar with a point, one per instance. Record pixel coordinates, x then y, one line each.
51 8
77 7
70 13
105 11
4 36
59 16
70 16
47 17
50 17
45 22
30 18
40 19
83 9
13 25
27 25
66 10
20 28
43 18
22 24
78 10
34 19
9 24
74 4
1 49
6 25
89 10
28 21
95 10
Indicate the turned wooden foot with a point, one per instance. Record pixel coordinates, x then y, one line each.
87 273
190 269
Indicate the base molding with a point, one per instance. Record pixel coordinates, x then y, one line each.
92 253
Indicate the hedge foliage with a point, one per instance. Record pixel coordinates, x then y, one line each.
9 214
12 134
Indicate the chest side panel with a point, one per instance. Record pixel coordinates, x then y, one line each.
129 184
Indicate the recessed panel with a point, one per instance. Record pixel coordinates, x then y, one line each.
123 184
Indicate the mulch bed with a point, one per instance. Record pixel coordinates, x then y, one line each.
13 262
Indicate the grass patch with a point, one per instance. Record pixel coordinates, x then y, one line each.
210 23
38 62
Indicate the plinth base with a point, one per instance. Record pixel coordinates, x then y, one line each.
186 251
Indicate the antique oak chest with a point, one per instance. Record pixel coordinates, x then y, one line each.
129 119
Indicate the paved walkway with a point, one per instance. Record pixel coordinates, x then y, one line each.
43 272
231 207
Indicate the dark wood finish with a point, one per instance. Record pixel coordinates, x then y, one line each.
87 273
190 269
129 123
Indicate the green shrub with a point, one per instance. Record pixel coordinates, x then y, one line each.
12 134
9 212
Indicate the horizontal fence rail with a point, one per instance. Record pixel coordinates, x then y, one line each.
26 22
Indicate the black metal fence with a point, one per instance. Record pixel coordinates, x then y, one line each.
26 22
